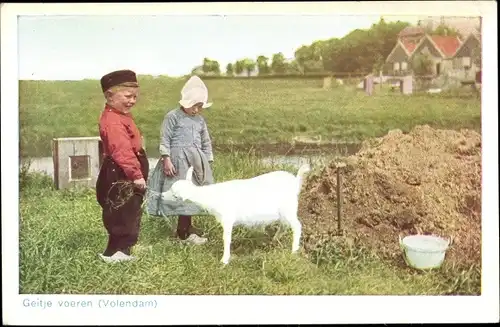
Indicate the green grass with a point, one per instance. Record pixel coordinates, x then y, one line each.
61 233
244 111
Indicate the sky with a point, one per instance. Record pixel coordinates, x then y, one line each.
77 47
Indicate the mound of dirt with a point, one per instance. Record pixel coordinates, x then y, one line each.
427 181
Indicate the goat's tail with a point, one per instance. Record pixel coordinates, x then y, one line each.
304 169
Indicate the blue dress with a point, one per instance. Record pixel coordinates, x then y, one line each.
186 140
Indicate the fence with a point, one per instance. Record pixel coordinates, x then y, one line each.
446 84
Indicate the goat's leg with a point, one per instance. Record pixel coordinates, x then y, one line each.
289 215
297 230
227 231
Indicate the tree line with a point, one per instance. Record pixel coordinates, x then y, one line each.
360 51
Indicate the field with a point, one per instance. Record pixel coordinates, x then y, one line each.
245 112
62 233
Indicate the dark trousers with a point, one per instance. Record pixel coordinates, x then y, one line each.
121 205
184 227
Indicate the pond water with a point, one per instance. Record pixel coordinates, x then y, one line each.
46 165
316 156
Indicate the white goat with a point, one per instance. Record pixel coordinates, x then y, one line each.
255 201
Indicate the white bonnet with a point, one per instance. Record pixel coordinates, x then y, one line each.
193 92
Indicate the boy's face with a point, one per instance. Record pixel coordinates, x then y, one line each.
122 98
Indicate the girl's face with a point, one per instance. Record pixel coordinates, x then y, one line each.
122 98
194 110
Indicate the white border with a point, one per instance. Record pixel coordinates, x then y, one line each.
255 309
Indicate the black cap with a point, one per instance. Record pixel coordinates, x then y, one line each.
118 77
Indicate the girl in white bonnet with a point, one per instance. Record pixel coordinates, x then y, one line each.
185 141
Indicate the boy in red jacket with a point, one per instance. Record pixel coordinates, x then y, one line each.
124 160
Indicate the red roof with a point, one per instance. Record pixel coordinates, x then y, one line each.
447 44
410 46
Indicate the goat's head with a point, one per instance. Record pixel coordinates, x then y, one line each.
183 187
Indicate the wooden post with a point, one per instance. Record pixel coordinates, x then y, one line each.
368 84
339 166
407 85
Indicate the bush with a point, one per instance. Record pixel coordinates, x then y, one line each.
33 181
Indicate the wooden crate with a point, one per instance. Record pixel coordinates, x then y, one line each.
77 161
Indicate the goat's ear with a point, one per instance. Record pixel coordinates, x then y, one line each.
189 174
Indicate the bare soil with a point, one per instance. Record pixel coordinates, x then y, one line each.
427 181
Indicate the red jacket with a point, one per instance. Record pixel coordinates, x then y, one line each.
121 140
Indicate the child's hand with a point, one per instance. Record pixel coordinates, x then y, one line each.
168 167
141 183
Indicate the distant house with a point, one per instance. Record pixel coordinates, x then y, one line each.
467 58
441 50
449 54
399 58
397 62
413 41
